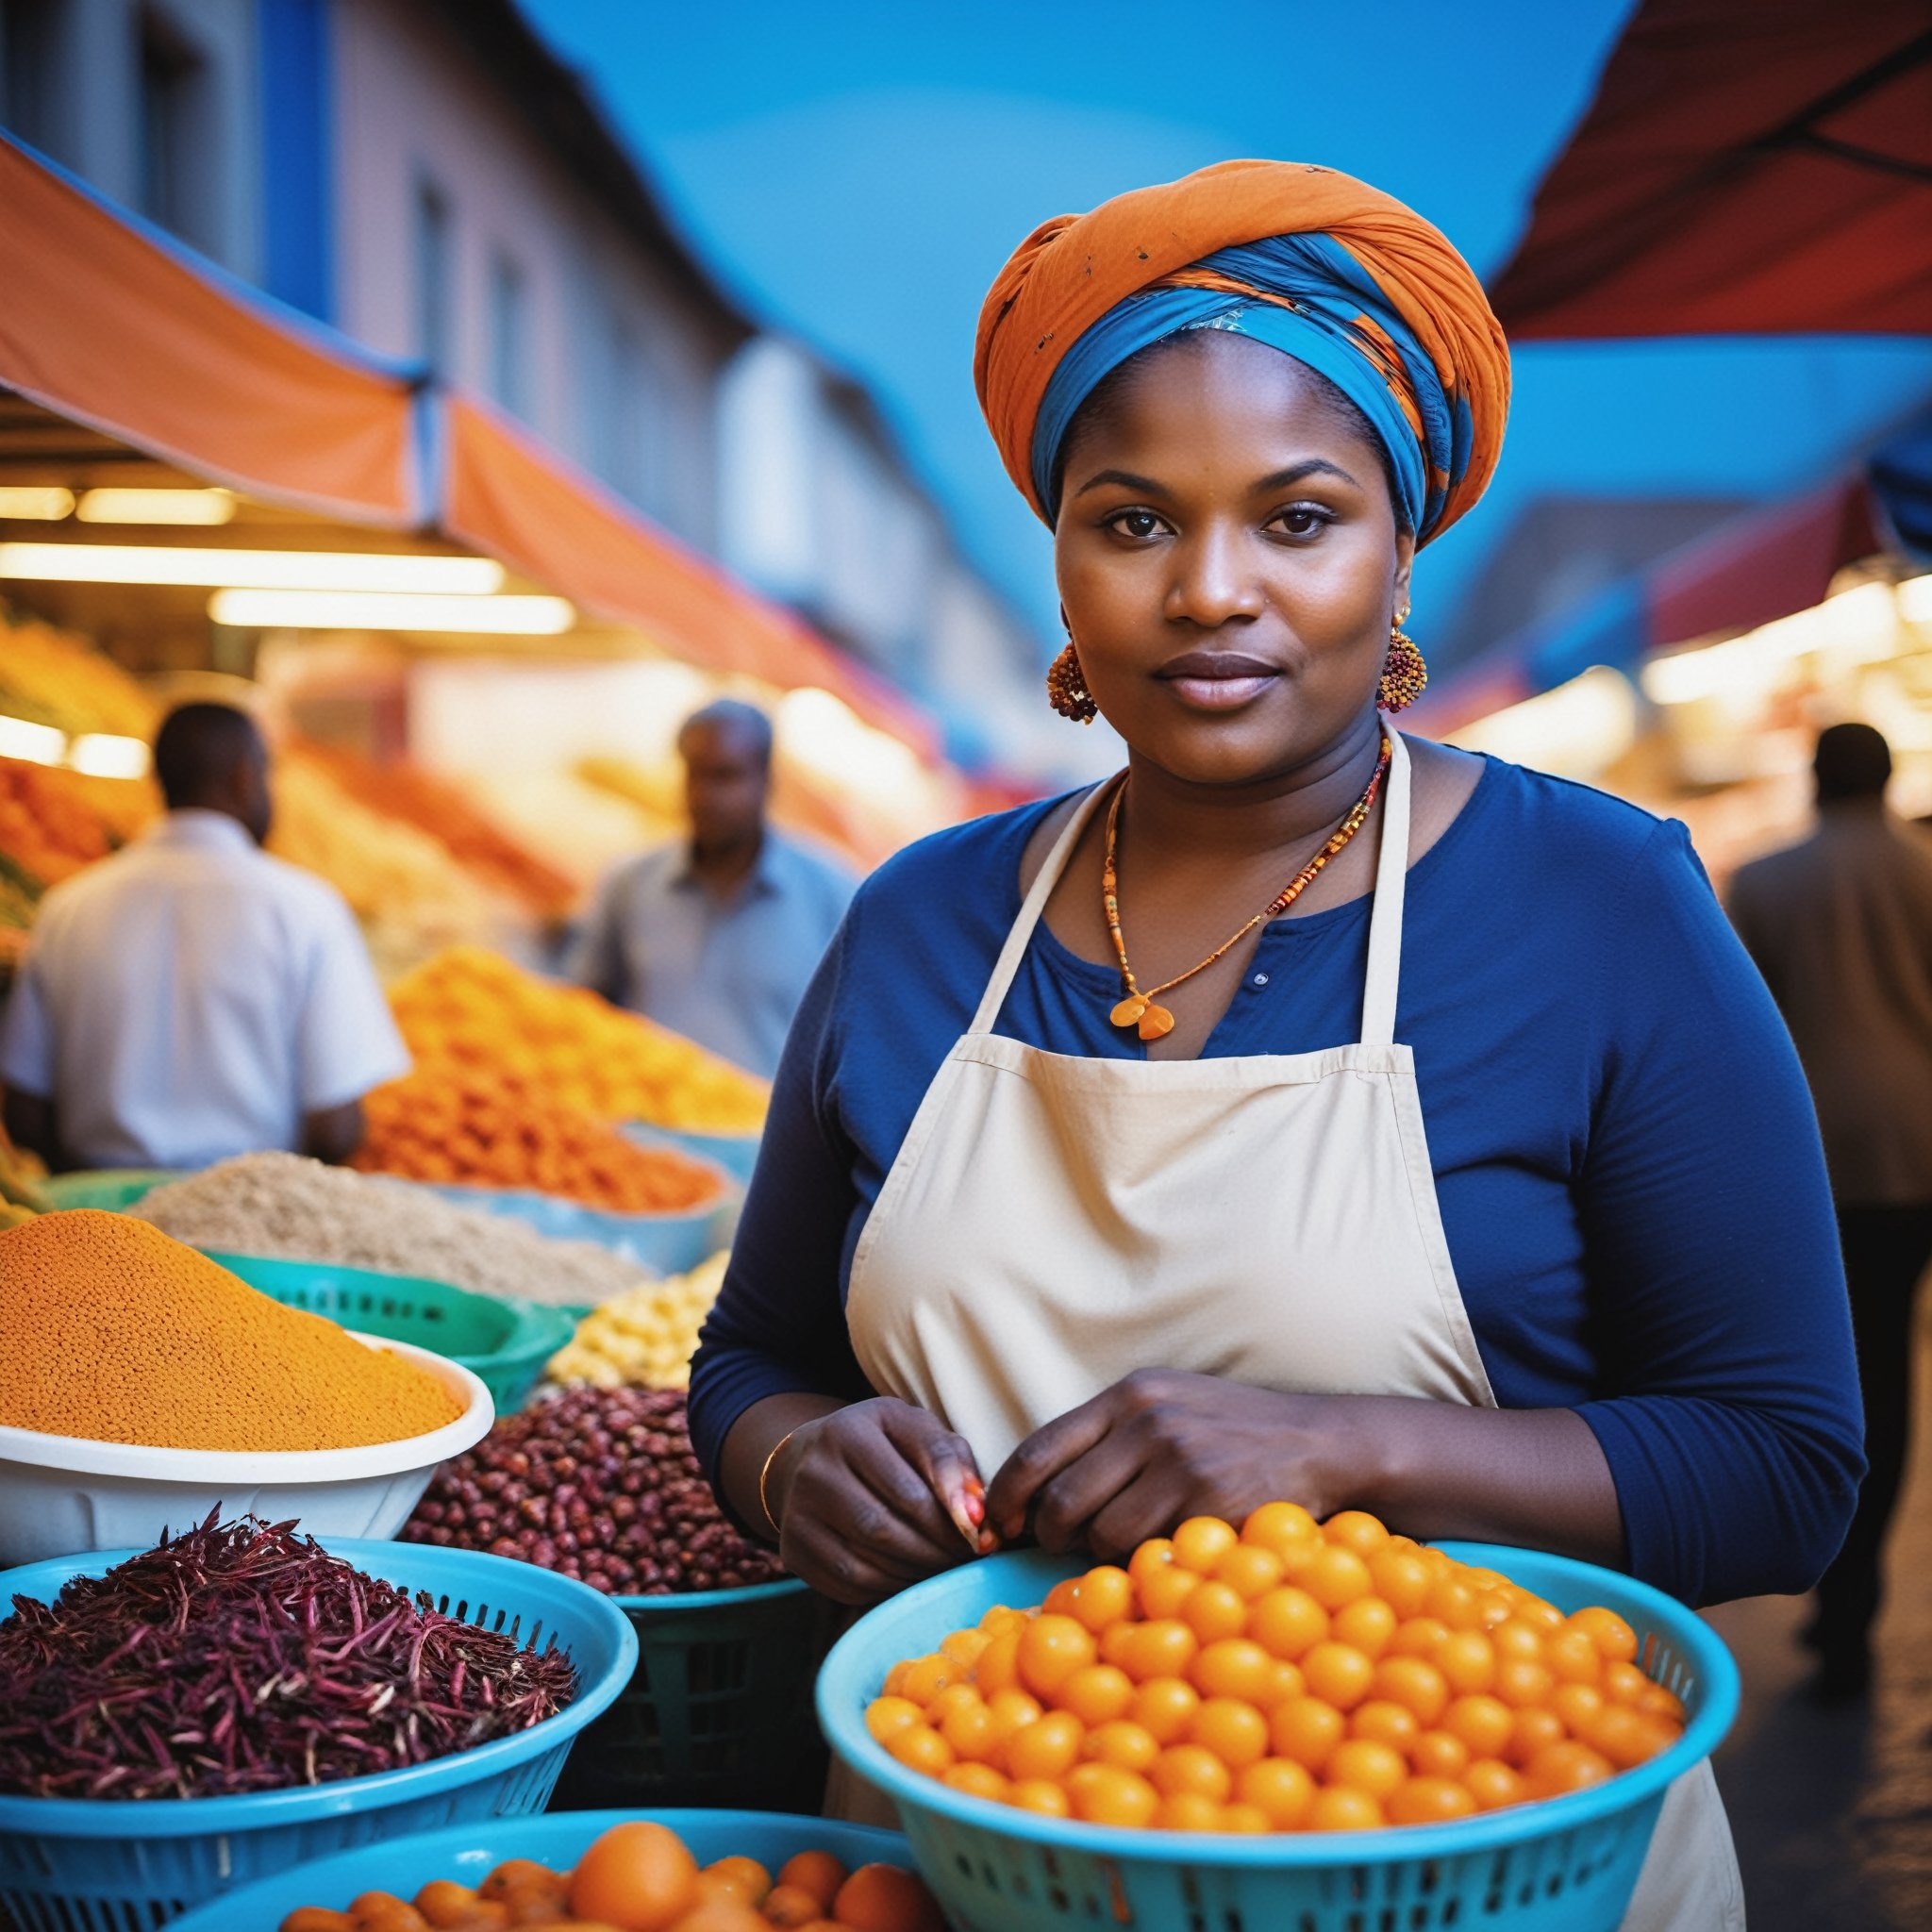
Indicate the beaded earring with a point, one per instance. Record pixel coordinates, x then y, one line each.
1066 687
1405 676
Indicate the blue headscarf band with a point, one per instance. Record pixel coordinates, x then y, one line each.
1312 301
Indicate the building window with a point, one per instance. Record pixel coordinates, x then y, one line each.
32 100
509 336
630 426
176 131
435 249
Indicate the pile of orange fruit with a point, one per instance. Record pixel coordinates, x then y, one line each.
1289 1677
641 1877
54 822
442 1123
443 809
472 1009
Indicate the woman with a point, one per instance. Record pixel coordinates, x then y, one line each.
1472 1182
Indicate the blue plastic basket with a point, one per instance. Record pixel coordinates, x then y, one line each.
99 1865
468 1853
737 1154
719 1710
1566 1864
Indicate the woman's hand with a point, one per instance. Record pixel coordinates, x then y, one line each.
856 1497
1161 1446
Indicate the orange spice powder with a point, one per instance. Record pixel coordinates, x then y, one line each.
112 1330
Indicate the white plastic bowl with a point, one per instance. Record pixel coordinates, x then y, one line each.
63 1494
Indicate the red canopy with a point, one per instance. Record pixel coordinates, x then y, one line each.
1748 166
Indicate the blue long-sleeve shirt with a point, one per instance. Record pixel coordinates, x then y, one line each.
1625 1151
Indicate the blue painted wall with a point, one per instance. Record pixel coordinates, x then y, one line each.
298 198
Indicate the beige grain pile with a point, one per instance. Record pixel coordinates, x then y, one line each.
299 1209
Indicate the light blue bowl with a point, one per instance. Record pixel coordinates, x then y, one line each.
663 1244
470 1852
76 1864
737 1154
1566 1864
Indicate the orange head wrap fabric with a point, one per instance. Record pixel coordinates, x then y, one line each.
1321 266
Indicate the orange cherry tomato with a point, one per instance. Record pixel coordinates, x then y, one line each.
1237 1733
1200 1542
1279 1788
1430 1801
884 1898
1286 1622
637 1876
1308 1731
1164 1708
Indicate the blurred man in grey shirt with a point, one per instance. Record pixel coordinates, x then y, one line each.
1840 927
717 936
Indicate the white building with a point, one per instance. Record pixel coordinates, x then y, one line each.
819 508
426 177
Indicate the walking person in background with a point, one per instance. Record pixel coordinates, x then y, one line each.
192 998
717 936
1840 925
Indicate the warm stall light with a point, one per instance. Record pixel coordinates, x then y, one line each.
204 506
249 570
536 616
1577 730
1915 600
39 744
1857 624
821 731
107 755
35 502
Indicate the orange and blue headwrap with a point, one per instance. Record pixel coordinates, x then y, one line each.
1323 268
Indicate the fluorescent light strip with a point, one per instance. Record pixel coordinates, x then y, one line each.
109 755
204 506
349 611
39 744
35 502
250 570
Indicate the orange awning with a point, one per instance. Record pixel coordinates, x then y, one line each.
509 497
112 325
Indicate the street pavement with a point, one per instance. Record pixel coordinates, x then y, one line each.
1831 1804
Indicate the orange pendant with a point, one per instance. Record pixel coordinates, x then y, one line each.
1130 1009
1154 1022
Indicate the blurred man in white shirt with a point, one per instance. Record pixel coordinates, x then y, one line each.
192 998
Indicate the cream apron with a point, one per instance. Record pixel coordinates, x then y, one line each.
1053 1222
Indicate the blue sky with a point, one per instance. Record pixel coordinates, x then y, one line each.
858 171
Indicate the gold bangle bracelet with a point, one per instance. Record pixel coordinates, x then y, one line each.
765 1476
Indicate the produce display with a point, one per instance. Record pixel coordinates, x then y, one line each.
19 1193
244 1657
646 1336
53 821
412 897
442 1123
641 1877
599 1484
1294 1677
293 1209
472 1011
51 676
447 815
112 1330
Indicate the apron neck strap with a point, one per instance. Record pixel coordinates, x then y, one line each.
1385 915
994 998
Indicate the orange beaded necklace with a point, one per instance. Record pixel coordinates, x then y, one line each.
1140 1010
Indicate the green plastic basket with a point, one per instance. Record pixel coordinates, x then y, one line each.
505 1343
112 1188
719 1711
